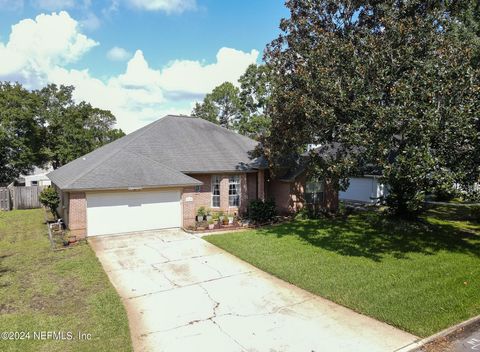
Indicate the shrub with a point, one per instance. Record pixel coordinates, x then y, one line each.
201 211
261 211
473 195
475 213
442 185
303 214
49 198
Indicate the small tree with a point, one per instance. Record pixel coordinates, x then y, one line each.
49 198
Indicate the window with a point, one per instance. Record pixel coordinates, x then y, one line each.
216 191
34 183
198 189
234 191
314 192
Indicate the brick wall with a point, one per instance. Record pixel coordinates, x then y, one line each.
77 214
330 199
280 192
290 196
252 185
261 184
192 200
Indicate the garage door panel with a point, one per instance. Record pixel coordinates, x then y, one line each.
360 189
119 212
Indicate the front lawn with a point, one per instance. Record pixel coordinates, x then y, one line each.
420 276
63 291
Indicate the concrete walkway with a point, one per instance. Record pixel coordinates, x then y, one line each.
184 294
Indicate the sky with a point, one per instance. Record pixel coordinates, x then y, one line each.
141 59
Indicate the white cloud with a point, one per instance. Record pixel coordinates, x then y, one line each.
197 78
36 46
38 52
118 54
53 5
91 22
169 6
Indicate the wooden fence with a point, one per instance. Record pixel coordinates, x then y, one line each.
14 197
4 198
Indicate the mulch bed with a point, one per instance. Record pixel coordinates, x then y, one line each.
238 226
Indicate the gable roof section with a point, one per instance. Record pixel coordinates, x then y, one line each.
159 155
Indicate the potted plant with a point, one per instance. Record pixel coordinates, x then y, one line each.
225 220
209 214
220 216
215 218
211 224
200 214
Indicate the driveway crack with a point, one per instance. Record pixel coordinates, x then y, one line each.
176 286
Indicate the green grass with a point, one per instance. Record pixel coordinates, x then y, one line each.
42 290
421 276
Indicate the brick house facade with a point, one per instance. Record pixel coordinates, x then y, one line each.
160 175
73 205
289 198
77 210
201 196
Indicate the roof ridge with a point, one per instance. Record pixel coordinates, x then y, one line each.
217 125
109 155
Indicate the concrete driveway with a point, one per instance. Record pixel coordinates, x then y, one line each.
184 294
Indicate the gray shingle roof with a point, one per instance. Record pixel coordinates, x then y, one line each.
159 155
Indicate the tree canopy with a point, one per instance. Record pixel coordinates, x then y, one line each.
73 130
389 83
221 106
47 126
240 109
21 135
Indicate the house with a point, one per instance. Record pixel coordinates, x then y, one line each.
38 177
158 176
365 189
362 189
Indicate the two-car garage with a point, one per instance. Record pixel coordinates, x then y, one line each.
136 210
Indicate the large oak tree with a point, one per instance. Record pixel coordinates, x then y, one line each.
394 84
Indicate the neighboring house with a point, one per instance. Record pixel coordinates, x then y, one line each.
158 176
366 189
363 189
38 177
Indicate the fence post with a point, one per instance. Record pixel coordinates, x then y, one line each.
11 189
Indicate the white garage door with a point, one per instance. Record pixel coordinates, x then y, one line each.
360 189
118 212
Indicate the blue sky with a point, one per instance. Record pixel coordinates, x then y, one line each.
138 58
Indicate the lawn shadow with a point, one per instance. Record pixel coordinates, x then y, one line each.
372 235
